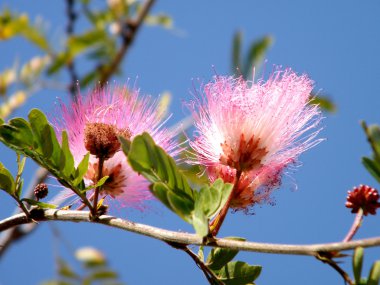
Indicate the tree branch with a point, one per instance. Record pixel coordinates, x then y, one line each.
19 232
71 18
129 31
186 238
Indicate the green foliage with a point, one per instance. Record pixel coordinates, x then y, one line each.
36 139
374 274
170 185
13 186
325 103
94 40
7 182
238 273
242 65
12 25
195 174
7 77
210 200
357 265
18 180
39 204
228 272
372 164
95 271
160 19
253 58
219 257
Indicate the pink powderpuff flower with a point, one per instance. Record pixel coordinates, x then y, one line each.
256 129
119 111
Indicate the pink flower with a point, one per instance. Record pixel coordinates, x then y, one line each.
254 128
122 112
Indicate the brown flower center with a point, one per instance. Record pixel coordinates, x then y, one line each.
101 139
247 156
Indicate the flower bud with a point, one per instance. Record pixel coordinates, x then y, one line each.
363 197
41 191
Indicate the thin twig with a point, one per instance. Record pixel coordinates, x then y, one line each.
71 18
97 189
130 29
187 238
355 226
336 267
21 205
211 277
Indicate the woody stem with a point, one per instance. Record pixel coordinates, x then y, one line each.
97 189
218 221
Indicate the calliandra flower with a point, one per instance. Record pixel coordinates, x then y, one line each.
255 128
94 122
363 197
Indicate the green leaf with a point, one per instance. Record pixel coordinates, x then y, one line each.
357 263
64 270
324 103
219 257
67 159
38 122
211 199
39 204
208 202
374 275
25 129
200 222
59 61
80 43
181 205
56 282
45 135
236 51
12 25
125 144
201 254
89 78
224 191
161 20
34 35
374 134
19 188
17 134
37 140
238 273
372 167
98 184
169 185
103 274
256 54
18 181
7 182
82 169
21 166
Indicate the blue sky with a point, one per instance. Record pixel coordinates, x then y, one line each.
335 42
